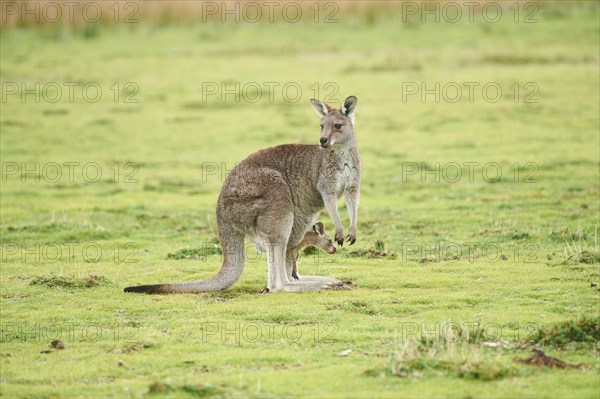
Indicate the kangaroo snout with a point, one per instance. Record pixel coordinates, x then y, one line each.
324 142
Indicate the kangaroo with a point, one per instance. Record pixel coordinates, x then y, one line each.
319 238
274 195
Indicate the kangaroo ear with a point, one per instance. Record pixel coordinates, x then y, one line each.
319 106
349 107
319 228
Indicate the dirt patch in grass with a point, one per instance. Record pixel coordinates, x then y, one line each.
540 359
54 281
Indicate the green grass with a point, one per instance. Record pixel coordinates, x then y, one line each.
517 254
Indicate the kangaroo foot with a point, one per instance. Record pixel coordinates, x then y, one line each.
302 286
320 279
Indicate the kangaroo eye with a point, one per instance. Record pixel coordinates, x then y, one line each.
321 127
338 125
329 241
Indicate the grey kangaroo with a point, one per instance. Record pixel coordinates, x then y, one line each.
273 197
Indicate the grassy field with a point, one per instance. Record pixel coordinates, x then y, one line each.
478 225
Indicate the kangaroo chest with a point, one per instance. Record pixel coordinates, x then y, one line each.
344 171
345 177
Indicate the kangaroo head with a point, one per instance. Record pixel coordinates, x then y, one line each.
337 125
323 240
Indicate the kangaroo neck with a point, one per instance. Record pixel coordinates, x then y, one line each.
338 154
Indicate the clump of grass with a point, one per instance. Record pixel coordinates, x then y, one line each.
54 281
563 234
589 257
576 249
451 356
584 329
195 253
520 236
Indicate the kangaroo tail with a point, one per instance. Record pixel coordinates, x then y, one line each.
232 243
